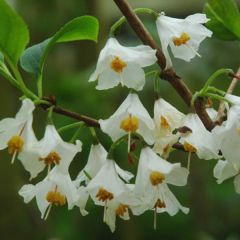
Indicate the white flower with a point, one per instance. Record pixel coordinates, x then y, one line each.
130 117
55 189
224 170
182 35
97 158
166 118
81 202
233 99
119 64
50 150
228 137
198 139
17 134
153 176
108 190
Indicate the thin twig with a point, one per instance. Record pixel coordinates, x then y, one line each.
91 122
221 110
167 74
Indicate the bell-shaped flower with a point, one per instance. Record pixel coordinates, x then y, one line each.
119 64
153 176
129 118
182 35
81 202
225 170
17 134
228 137
108 190
97 158
166 118
56 189
50 150
197 139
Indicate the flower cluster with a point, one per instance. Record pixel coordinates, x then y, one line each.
118 191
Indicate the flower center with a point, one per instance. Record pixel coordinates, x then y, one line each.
156 178
160 204
189 148
118 65
15 144
183 39
121 210
103 195
56 198
130 124
164 122
52 157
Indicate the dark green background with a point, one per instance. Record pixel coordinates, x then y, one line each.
214 209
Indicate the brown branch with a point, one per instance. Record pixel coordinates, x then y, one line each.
91 122
167 74
221 110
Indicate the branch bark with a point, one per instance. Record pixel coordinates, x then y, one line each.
91 122
167 74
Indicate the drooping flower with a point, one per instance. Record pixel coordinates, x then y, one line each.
56 189
108 190
166 118
197 139
182 35
228 137
153 176
50 150
97 158
225 170
129 118
17 134
119 64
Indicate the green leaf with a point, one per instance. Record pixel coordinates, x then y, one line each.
81 28
224 19
14 34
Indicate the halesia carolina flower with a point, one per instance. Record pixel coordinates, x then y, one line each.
235 100
97 158
153 176
182 35
197 139
225 170
131 117
228 137
51 150
108 190
166 118
56 189
17 134
119 64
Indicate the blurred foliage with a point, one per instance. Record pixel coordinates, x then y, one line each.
214 213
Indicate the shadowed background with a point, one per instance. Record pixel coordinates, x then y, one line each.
214 209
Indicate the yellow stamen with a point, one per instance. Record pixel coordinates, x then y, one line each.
189 148
56 198
52 157
238 131
103 195
183 39
160 204
15 144
130 124
121 210
156 178
164 122
118 65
